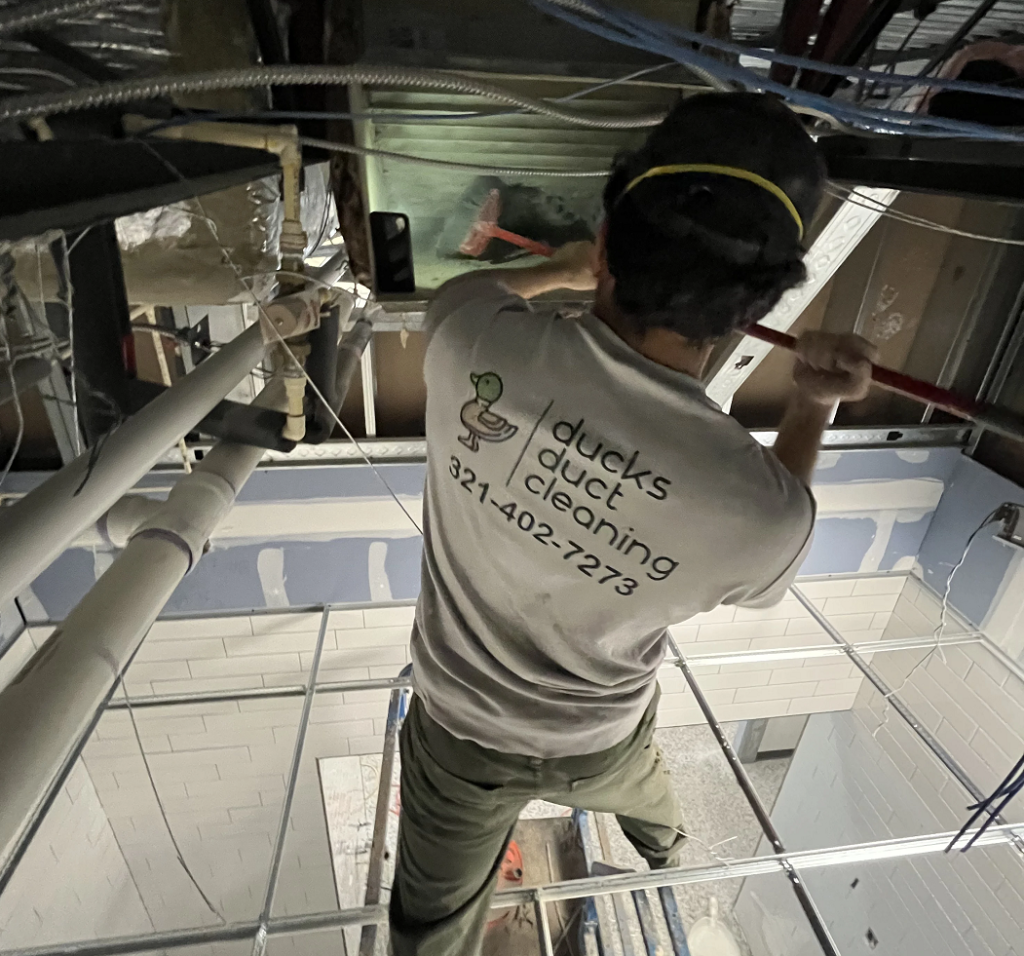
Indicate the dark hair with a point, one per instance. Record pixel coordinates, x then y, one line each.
703 253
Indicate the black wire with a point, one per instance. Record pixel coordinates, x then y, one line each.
1012 784
117 419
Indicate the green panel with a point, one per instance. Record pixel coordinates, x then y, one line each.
430 197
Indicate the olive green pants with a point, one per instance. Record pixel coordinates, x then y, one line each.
460 802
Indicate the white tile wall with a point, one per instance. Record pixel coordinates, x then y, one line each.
73 882
269 650
220 770
859 607
864 775
220 767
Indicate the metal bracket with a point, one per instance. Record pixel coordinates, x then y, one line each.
230 421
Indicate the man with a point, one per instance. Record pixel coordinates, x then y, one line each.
583 494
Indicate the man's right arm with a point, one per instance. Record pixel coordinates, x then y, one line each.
573 267
829 368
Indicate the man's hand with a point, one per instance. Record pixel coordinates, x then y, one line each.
575 266
829 368
833 368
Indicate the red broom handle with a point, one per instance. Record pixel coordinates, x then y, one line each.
888 379
990 416
530 245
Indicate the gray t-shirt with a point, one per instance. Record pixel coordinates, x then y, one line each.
579 500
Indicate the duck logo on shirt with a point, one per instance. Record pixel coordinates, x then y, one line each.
481 423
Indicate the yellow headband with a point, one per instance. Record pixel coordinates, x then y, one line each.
732 171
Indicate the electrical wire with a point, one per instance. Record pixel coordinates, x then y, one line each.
163 813
632 30
943 620
868 202
19 17
136 90
1011 785
662 28
641 36
890 69
383 115
451 164
8 294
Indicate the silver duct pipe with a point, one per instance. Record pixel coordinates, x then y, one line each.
39 527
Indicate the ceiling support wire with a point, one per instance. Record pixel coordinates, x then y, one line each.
927 738
868 202
160 804
260 940
807 904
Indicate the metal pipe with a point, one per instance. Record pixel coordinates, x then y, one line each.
375 868
648 928
543 925
44 712
327 687
818 926
696 661
19 17
899 848
676 930
943 755
260 943
40 526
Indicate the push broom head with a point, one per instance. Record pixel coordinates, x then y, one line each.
479 234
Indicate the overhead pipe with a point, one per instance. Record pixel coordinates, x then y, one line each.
45 711
54 701
41 525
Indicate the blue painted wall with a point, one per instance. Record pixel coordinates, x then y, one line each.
973 492
338 569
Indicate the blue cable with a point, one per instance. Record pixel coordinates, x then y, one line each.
653 28
747 78
883 121
879 121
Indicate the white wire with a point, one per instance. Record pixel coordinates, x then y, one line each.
941 626
7 295
163 813
869 202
